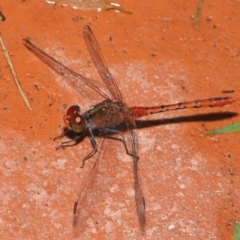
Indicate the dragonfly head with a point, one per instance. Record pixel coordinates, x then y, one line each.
73 120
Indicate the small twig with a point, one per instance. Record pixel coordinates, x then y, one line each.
5 52
2 17
198 12
116 6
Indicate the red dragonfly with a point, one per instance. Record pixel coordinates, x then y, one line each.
107 114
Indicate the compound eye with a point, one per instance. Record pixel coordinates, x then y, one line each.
74 120
73 110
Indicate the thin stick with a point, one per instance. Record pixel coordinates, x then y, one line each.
2 17
5 52
198 13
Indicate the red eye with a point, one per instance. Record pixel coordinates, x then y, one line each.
73 120
73 110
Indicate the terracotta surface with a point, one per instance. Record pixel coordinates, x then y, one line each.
190 181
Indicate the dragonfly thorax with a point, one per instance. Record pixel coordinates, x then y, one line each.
105 114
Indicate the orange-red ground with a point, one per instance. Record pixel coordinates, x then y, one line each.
190 181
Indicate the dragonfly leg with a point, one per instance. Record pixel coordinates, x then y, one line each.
60 136
110 131
69 143
94 143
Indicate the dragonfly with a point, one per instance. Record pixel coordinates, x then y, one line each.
105 116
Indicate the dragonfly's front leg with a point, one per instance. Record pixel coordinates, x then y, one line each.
75 141
69 143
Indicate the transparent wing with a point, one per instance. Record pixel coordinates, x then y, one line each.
86 208
70 75
139 199
100 64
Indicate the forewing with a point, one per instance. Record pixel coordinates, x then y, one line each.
74 78
100 64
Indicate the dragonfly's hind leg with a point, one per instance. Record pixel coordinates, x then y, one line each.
109 132
94 143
